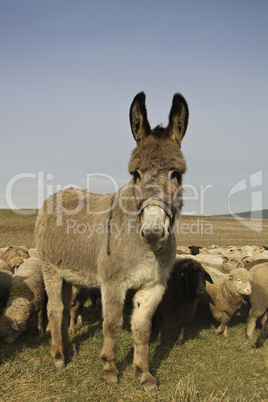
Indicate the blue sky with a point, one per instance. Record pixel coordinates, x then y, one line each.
70 69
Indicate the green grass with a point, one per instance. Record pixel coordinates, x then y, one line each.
204 368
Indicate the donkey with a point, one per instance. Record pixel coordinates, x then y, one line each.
77 237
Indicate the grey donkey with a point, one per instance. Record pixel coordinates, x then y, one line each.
117 241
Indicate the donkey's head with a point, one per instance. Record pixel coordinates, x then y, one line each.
157 166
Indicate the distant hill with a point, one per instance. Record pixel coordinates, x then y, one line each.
263 214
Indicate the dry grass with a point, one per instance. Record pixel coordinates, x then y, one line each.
18 229
204 368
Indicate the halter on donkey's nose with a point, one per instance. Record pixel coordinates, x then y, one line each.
156 221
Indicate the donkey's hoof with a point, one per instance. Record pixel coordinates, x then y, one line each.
109 376
59 363
148 383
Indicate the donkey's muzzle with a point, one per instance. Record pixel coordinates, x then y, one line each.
155 223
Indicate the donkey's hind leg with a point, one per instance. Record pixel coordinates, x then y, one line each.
67 297
57 314
112 304
145 302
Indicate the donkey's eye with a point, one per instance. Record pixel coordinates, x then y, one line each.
175 175
136 176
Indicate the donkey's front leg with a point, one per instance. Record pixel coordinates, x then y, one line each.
112 304
146 301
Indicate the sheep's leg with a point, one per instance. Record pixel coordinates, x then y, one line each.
73 314
146 301
96 304
263 335
225 332
53 285
264 318
252 319
79 319
112 302
180 335
40 323
74 308
223 327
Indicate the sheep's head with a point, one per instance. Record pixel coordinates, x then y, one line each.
240 279
195 278
10 329
15 262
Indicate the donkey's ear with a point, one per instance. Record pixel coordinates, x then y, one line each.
138 117
178 119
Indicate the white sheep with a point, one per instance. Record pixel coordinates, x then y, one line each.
213 250
261 255
4 265
225 296
27 295
33 253
211 259
15 256
258 297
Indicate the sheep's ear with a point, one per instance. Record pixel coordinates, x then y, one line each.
231 277
208 278
15 326
138 118
178 119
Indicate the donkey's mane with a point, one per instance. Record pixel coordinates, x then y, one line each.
159 132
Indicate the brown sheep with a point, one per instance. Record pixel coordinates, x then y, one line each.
14 256
255 262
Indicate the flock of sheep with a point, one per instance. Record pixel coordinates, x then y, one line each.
221 277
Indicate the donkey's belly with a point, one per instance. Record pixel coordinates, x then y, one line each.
76 276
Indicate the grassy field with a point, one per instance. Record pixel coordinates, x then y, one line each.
18 229
205 368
